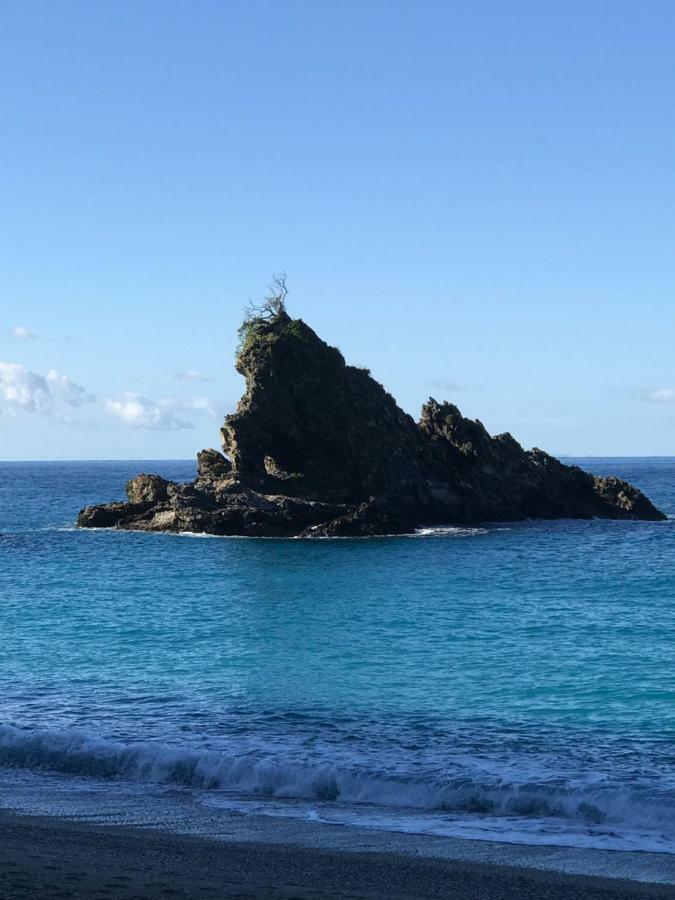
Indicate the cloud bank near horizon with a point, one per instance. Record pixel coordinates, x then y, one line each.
22 390
55 395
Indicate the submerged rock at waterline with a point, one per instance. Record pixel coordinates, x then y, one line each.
319 448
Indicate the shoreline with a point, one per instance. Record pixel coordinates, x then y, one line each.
45 857
246 820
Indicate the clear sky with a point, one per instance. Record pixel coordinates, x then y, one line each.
475 199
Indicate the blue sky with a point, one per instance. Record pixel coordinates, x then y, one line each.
475 199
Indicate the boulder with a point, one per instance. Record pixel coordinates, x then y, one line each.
212 466
147 489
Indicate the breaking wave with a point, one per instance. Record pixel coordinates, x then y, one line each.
592 805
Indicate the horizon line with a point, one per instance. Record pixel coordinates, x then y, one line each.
193 458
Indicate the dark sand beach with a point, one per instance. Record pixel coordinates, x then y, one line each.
42 857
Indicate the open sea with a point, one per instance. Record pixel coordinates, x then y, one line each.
510 683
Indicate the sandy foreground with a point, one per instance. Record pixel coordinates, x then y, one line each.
42 857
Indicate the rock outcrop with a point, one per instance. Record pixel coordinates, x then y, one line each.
319 448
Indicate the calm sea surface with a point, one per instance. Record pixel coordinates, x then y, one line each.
511 682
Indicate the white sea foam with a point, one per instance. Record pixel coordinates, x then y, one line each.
507 808
431 531
449 531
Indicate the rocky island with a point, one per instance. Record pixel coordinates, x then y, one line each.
318 448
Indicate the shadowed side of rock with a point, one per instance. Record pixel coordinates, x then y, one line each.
318 447
312 426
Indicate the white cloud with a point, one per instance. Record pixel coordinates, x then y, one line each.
62 388
22 333
140 412
452 387
663 395
55 395
24 391
157 415
21 389
201 404
193 375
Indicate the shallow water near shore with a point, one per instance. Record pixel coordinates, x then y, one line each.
507 683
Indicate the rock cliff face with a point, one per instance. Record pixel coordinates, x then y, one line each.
319 448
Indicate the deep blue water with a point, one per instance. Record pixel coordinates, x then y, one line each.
511 682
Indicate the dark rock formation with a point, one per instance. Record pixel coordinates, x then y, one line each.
148 489
319 448
212 466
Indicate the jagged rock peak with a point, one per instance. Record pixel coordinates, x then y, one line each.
312 421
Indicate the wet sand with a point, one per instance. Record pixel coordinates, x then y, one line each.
42 857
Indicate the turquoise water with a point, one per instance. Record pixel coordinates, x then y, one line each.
513 682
